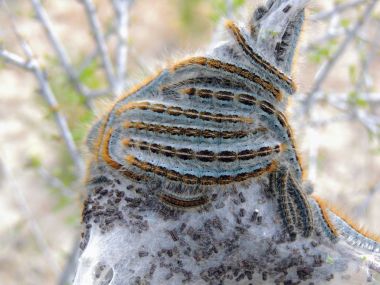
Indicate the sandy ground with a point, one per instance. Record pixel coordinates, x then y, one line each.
35 237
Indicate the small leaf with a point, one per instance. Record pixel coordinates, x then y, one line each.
352 72
34 162
345 23
355 99
238 3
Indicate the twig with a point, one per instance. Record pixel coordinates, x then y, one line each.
99 93
58 48
367 61
229 8
337 9
15 59
48 96
54 182
93 54
326 68
68 272
121 8
100 42
323 39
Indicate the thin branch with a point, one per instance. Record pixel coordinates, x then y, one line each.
93 54
364 75
68 272
323 39
327 66
54 182
229 8
337 9
98 93
121 8
60 119
48 95
58 48
100 42
14 59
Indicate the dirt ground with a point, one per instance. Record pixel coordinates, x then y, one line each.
36 235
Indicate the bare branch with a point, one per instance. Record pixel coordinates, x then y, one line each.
68 272
48 95
93 54
327 66
98 93
14 59
54 182
121 10
100 41
337 9
229 8
60 119
370 54
58 47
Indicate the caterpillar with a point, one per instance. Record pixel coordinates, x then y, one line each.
338 226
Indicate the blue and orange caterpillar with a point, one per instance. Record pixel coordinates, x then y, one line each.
216 120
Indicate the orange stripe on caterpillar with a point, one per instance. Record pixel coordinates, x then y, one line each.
190 132
204 155
181 203
114 164
217 64
139 86
177 111
323 207
350 222
256 57
203 180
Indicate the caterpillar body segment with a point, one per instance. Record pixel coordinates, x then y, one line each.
293 205
202 155
221 178
230 70
277 42
322 218
176 202
278 185
353 234
304 212
258 63
337 226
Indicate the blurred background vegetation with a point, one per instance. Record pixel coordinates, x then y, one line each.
41 190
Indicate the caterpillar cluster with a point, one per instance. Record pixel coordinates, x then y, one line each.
212 121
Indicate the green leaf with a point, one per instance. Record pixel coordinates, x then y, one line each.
34 162
352 73
89 76
355 99
238 3
323 52
345 23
